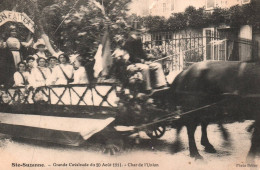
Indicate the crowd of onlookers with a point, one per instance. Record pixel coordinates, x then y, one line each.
40 70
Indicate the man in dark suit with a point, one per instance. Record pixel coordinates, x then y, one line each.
138 59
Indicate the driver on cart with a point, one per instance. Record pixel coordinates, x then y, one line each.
139 61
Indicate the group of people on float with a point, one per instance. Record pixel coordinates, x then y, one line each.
40 70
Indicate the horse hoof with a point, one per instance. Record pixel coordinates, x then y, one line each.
197 156
250 159
210 149
177 147
111 149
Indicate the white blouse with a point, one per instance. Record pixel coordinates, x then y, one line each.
19 80
58 77
80 76
13 43
37 79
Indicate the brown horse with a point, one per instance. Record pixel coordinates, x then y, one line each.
234 86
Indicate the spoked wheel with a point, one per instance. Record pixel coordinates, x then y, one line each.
156 131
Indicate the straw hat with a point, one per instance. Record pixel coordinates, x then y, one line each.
73 58
39 43
58 54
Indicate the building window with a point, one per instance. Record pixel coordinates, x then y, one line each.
210 4
168 36
157 38
164 7
172 5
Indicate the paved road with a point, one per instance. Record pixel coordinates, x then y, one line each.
159 154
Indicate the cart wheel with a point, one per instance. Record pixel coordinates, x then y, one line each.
156 131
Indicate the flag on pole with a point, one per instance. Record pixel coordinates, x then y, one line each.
106 54
98 67
103 58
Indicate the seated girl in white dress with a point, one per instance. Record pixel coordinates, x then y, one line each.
21 76
80 74
62 74
40 74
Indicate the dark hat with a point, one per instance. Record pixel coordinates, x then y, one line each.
66 56
39 43
29 58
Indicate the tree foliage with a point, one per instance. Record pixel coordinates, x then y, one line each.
199 18
74 25
155 24
85 25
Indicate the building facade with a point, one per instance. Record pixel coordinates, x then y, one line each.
167 7
211 43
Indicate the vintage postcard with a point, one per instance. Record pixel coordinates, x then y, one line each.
129 84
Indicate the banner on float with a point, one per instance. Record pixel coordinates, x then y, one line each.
13 16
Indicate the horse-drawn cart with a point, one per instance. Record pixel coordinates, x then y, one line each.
70 114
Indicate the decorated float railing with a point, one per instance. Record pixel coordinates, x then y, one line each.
64 114
99 94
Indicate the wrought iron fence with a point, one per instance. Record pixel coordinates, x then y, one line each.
100 94
182 50
185 50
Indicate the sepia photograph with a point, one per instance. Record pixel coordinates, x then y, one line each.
130 84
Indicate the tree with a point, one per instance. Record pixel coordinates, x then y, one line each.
155 23
199 18
177 22
84 26
218 16
196 18
73 25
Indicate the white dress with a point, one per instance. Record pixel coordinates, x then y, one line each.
19 80
58 78
39 79
14 45
80 76
61 95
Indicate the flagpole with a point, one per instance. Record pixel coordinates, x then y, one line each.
103 55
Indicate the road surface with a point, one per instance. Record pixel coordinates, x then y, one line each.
159 154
